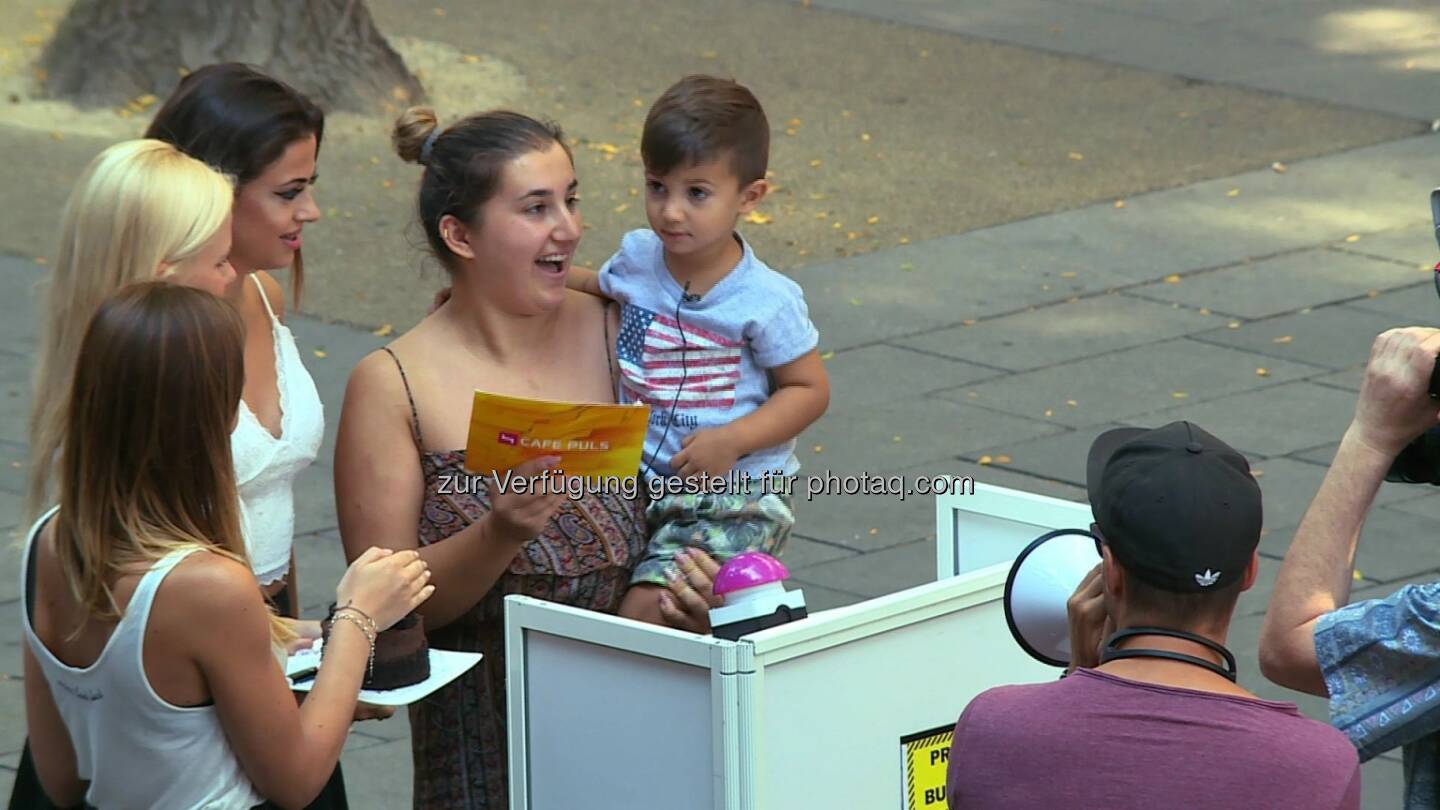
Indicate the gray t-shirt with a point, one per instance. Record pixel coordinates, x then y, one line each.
1095 740
718 346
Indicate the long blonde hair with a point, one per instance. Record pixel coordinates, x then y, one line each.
146 466
138 205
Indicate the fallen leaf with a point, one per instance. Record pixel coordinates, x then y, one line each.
439 12
822 215
1234 192
385 329
1372 294
1067 274
791 130
1075 156
57 135
1233 325
837 226
984 460
793 122
1119 203
33 39
904 240
1261 372
815 164
968 322
865 136
387 183
924 54
41 260
621 208
471 59
1179 395
819 448
321 353
1003 459
1277 167
815 195
1204 311
827 355
850 235
374 161
1049 412
871 220
1282 339
896 439
1172 279
634 192
854 302
1353 238
757 218
907 267
709 55
1257 473
972 395
1072 403
874 531
607 148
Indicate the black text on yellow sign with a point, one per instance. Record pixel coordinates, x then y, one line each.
924 758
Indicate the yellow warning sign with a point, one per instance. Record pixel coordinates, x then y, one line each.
924 758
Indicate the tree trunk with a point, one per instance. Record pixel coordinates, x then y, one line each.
109 52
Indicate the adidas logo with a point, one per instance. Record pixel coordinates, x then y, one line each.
1208 578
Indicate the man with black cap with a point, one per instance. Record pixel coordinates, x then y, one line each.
1378 660
1152 717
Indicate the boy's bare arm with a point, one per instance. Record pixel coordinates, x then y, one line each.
585 280
802 393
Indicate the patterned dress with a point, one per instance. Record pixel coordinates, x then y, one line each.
583 558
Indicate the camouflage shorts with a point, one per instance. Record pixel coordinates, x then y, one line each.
723 525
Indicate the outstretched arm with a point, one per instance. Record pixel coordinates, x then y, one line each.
1315 578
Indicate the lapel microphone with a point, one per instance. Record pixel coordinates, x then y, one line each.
687 297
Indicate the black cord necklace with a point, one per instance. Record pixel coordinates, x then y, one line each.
1114 653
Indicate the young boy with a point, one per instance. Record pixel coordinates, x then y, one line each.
718 344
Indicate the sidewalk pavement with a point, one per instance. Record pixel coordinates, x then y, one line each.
1246 304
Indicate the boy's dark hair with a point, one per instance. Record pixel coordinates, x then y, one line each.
701 118
1182 611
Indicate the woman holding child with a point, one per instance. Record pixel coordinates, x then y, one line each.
498 204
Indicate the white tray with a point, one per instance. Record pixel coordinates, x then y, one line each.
445 666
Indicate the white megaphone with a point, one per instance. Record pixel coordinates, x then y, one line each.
1041 581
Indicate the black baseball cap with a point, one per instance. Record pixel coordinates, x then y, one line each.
1176 506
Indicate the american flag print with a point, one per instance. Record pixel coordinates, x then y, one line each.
654 357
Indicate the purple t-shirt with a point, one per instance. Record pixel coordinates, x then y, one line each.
1095 740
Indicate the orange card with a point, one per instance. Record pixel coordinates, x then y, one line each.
592 440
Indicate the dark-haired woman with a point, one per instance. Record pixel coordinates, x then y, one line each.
498 205
153 668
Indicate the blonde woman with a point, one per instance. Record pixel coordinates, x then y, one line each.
142 210
152 671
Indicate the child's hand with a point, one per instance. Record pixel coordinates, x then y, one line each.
710 452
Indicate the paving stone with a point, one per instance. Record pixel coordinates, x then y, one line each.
379 777
344 347
1244 642
862 440
1416 305
1348 379
15 385
1271 421
1281 284
1117 386
12 715
23 300
1393 545
1382 784
880 572
893 294
1060 457
1411 245
319 565
14 471
1288 486
1334 337
872 375
819 597
315 498
801 552
1063 332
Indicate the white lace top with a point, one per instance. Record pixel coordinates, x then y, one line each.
265 467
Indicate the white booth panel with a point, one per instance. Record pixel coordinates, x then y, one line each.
829 720
632 728
993 524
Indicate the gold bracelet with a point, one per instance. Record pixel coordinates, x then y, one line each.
368 635
371 622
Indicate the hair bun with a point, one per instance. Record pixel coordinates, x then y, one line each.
413 130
